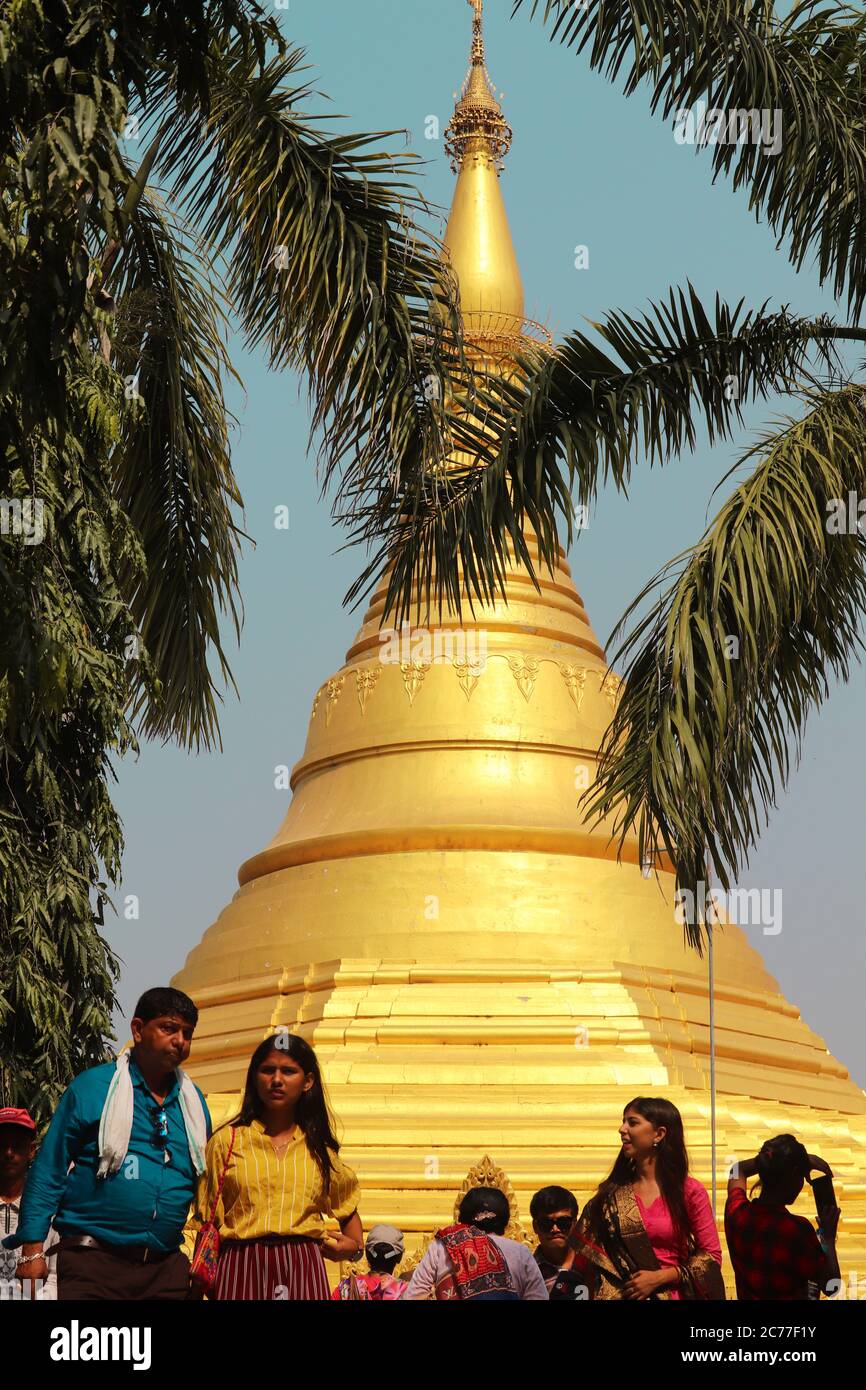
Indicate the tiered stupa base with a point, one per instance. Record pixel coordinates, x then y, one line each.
431 1067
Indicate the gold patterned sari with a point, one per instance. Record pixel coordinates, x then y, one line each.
625 1249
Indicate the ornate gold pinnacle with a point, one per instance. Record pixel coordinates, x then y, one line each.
478 122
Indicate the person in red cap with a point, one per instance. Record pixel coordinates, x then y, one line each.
17 1148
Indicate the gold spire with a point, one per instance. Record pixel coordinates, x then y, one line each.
478 122
478 238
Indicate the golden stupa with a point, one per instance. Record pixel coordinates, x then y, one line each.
483 982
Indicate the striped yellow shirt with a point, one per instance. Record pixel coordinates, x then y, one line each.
264 1195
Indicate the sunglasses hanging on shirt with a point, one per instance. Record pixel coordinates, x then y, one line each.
160 1138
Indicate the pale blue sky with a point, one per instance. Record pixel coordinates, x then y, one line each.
587 167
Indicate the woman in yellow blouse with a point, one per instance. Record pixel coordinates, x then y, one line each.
281 1174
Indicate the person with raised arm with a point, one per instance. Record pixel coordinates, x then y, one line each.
777 1255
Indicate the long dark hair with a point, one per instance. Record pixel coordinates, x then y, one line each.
312 1113
672 1169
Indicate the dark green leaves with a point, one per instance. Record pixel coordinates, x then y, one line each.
723 670
740 55
325 266
573 419
172 472
112 366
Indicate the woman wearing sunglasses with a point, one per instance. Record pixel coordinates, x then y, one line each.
273 1175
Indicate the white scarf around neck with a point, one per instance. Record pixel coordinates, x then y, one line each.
115 1123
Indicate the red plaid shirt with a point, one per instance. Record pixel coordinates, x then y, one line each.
775 1254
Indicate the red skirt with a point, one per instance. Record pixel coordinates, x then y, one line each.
273 1267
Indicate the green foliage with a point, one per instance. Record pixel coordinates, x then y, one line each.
808 64
703 735
575 419
70 667
325 266
172 471
63 689
112 419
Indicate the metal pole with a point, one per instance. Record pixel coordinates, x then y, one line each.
712 1059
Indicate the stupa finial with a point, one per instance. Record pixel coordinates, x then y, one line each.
477 31
478 123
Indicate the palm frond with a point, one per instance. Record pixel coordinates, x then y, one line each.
808 65
172 471
578 418
326 265
722 671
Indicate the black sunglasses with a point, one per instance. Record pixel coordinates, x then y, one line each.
559 1223
160 1121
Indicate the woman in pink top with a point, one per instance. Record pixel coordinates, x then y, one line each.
649 1232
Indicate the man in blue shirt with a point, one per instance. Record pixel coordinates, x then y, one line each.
117 1169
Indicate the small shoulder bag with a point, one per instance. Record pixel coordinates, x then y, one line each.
207 1247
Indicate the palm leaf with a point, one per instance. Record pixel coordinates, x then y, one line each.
702 739
740 56
172 472
325 265
575 419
